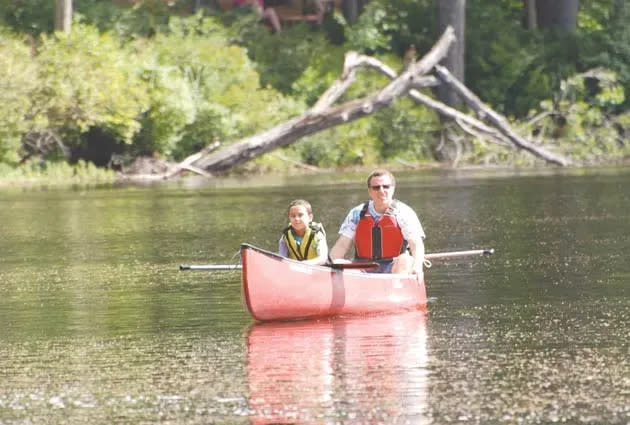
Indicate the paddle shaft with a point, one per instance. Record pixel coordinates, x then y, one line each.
457 254
211 267
432 256
340 266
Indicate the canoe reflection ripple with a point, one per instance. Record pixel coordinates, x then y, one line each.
357 370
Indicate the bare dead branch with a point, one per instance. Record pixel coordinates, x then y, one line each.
443 109
479 135
497 120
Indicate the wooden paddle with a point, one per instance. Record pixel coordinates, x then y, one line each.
336 266
354 265
211 267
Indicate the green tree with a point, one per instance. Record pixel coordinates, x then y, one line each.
202 88
18 80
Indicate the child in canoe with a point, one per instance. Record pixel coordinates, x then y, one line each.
303 239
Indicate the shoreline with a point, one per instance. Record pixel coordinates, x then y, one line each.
124 180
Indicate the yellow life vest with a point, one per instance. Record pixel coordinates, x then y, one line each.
307 248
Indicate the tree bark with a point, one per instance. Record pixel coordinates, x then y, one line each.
620 9
453 13
352 9
530 14
559 14
63 15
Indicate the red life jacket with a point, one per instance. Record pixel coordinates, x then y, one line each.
382 240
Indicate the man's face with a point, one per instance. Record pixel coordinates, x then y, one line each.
381 190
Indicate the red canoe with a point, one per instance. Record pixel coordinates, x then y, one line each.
277 288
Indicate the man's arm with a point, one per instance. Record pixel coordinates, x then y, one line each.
341 247
413 232
416 246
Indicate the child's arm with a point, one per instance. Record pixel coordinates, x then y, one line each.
283 250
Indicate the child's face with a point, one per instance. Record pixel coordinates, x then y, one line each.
299 218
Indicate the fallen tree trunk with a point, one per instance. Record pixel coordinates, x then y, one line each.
324 114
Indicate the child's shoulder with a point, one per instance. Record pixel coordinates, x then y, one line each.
317 227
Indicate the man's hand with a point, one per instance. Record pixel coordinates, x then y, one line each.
341 261
420 273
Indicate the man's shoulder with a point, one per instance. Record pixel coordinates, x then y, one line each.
398 205
356 210
317 227
403 210
353 217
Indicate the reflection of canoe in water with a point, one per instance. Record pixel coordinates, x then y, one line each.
351 370
276 288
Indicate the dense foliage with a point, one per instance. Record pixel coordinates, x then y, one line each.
155 80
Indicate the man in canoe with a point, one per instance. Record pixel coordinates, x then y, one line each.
383 229
303 239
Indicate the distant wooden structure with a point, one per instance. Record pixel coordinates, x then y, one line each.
289 11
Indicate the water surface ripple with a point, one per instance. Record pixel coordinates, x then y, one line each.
99 326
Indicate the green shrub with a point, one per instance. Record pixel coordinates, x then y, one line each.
393 26
574 123
18 79
320 73
87 79
578 117
282 58
202 89
349 144
407 132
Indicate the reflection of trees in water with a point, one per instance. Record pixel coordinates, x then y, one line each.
363 369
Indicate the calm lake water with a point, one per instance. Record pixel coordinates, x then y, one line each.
98 325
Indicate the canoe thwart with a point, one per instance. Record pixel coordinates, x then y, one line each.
354 265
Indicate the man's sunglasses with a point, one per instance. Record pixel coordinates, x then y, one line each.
378 186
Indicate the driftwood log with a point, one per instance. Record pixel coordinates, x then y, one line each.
326 114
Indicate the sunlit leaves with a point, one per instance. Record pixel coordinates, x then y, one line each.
202 89
87 79
18 78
